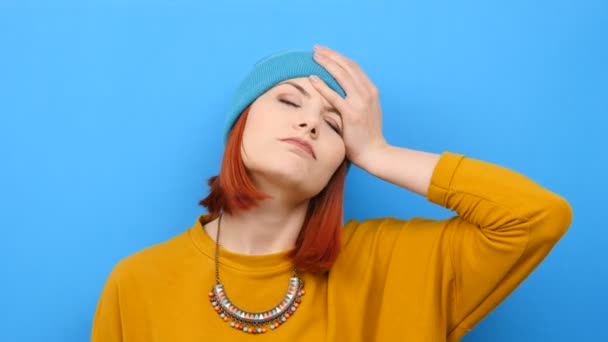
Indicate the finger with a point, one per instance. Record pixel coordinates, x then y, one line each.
328 93
340 74
349 65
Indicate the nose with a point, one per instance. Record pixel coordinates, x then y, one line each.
314 131
311 124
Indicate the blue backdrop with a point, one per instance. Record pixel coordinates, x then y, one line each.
111 115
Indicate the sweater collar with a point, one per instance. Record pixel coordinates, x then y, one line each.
256 264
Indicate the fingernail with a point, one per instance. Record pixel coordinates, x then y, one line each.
314 78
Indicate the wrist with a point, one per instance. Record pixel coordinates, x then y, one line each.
372 156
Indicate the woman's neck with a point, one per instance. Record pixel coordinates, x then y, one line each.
267 229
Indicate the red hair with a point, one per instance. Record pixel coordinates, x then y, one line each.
320 238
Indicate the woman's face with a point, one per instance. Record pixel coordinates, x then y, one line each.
294 110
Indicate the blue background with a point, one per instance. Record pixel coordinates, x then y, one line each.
111 115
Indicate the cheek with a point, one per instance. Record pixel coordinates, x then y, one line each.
265 121
260 149
258 129
252 148
336 152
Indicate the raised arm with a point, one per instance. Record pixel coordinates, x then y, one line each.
506 225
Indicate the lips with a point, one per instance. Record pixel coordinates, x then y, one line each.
301 144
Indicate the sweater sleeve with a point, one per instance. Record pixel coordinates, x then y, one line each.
107 326
506 225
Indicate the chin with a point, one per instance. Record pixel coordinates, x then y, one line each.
293 176
299 180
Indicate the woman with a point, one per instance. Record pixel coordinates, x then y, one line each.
272 260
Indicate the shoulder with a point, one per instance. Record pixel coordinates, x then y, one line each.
371 246
153 261
355 230
373 229
382 235
364 239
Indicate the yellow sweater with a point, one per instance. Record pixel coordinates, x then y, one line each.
395 279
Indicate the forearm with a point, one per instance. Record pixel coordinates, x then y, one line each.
407 168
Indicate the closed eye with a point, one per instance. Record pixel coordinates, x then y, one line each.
333 126
289 103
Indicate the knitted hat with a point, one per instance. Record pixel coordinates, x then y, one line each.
269 71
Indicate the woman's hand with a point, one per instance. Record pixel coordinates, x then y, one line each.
360 109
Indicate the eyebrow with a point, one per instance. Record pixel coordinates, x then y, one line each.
307 94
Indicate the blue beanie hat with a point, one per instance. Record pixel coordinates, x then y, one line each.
269 71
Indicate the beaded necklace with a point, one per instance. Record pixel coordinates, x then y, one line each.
254 322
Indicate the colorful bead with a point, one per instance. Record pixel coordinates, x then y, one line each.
257 322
